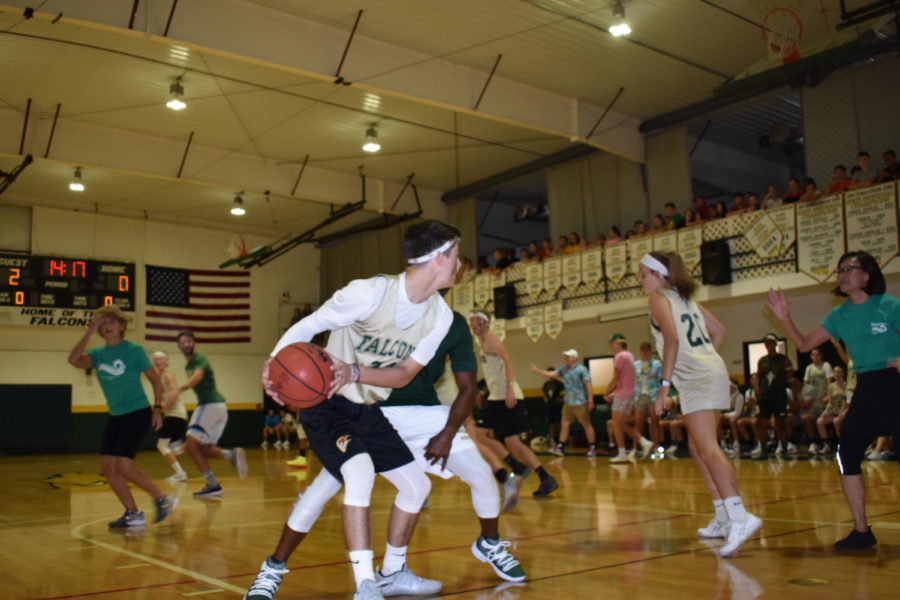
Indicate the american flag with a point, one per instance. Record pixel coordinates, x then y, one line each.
215 305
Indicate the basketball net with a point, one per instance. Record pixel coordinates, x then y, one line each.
237 247
782 30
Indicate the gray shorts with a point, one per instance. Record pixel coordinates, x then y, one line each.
624 405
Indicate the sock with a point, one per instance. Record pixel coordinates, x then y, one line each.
542 473
229 455
500 475
274 563
734 506
394 559
622 452
210 478
179 470
361 561
517 467
721 514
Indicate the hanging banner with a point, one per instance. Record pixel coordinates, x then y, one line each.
764 236
463 298
871 215
592 266
498 326
571 270
484 285
616 261
665 242
534 323
820 237
552 274
553 321
637 248
690 239
785 217
534 278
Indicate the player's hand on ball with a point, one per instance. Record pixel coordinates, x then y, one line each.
267 383
342 375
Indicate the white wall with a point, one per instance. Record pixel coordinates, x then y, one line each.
37 355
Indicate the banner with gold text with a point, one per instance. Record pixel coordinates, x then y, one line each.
871 215
820 237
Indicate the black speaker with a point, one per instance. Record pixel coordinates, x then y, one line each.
505 302
715 262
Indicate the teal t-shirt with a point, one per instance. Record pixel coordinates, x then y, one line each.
206 390
458 345
119 370
869 330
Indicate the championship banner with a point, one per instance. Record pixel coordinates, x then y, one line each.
785 218
871 216
463 298
484 287
552 274
553 321
534 323
571 271
764 236
592 266
534 278
616 262
637 248
820 237
50 317
498 326
665 242
690 239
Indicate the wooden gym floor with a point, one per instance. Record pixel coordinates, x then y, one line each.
609 531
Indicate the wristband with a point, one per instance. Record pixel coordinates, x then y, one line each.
354 373
665 383
159 406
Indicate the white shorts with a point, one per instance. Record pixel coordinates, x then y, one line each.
208 422
417 425
711 393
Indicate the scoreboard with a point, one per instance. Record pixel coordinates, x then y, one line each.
69 283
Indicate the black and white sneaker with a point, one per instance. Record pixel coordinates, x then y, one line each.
209 491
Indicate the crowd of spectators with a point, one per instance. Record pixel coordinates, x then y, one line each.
862 175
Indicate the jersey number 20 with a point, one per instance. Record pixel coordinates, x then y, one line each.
700 338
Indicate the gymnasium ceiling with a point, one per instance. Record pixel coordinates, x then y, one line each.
102 76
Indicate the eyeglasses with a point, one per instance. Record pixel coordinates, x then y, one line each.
848 269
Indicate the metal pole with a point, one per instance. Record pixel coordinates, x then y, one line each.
184 158
169 21
52 129
603 116
337 75
488 82
25 126
299 175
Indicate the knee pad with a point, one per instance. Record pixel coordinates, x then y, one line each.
413 487
359 478
309 505
850 453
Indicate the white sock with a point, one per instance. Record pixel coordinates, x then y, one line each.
622 452
734 506
721 515
394 559
361 561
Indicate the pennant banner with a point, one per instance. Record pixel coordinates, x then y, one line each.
463 298
592 266
572 271
820 237
764 236
785 217
483 289
534 323
616 262
553 321
552 274
637 248
665 242
690 239
534 278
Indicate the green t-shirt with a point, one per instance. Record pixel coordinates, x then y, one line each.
206 390
458 345
869 330
119 370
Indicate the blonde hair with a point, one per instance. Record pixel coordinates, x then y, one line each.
678 276
114 312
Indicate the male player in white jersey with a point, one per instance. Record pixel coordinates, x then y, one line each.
383 331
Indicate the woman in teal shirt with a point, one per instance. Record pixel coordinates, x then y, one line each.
869 325
119 365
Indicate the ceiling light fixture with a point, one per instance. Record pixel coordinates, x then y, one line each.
371 144
238 208
621 27
76 185
177 91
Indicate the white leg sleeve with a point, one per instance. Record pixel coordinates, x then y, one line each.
359 478
469 466
413 486
309 505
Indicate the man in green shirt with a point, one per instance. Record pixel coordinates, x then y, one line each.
209 419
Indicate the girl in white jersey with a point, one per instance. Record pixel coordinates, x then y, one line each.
687 338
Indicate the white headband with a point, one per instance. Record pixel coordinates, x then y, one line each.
423 259
481 315
654 265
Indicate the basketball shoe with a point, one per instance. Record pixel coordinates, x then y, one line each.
405 583
129 519
368 590
557 450
208 491
267 581
715 529
738 533
857 540
548 484
177 477
164 507
496 554
300 461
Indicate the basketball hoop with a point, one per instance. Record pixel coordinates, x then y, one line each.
782 30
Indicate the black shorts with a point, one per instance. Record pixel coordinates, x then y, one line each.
875 409
770 406
124 434
503 421
338 430
173 428
554 412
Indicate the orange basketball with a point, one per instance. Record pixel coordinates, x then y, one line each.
301 374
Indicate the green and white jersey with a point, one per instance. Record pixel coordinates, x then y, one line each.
494 371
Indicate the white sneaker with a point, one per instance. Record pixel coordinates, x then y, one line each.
715 529
792 449
757 451
738 533
631 454
405 583
813 449
672 450
779 451
264 445
619 458
368 590
176 477
646 447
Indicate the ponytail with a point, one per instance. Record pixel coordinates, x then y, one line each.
679 276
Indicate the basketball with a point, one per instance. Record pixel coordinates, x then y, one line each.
301 374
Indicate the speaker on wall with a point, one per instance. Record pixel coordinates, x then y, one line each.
505 302
715 262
